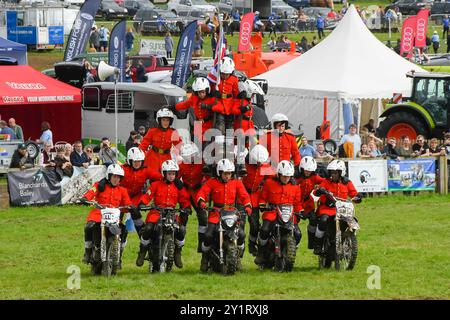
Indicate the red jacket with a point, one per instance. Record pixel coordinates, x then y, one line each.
247 122
162 141
254 180
204 115
192 177
223 194
111 197
134 180
165 195
307 185
340 190
276 193
285 144
229 91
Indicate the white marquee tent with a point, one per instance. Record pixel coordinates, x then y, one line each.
350 67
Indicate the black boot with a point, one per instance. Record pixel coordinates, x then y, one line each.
177 257
200 240
204 264
141 255
260 259
252 248
318 244
155 260
87 255
311 238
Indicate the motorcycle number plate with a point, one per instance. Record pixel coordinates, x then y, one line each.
345 208
110 215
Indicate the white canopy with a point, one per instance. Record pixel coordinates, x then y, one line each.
349 65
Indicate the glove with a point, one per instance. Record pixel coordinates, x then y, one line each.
321 191
345 180
330 203
187 211
217 94
202 204
357 198
102 185
242 95
84 201
178 183
135 213
205 106
248 210
244 109
296 172
141 205
299 216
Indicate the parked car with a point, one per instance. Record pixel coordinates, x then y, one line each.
134 5
179 6
297 4
110 10
224 6
145 21
409 7
280 7
440 8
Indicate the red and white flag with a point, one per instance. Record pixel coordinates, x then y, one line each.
408 35
245 32
421 28
214 74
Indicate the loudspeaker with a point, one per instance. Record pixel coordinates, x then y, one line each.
105 70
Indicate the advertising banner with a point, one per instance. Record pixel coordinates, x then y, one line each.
181 69
411 175
116 52
421 28
408 36
245 32
157 47
368 175
80 182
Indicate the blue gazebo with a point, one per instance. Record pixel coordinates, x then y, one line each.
11 49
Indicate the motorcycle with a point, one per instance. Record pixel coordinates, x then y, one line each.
105 259
224 255
167 224
340 243
281 247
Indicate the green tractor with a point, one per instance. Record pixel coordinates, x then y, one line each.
426 112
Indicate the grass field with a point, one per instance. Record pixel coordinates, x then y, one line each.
406 237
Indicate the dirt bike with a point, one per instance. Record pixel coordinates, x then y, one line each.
105 259
340 243
224 254
281 247
168 224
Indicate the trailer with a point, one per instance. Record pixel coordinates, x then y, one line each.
263 6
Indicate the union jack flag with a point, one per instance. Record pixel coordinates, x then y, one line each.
214 74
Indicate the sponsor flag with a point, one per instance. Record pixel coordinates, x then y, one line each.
116 51
407 41
181 69
421 28
81 29
214 74
245 32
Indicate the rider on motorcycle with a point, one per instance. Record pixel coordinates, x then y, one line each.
224 191
280 190
307 181
166 194
136 176
340 187
106 192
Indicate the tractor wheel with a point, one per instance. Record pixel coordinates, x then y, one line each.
402 124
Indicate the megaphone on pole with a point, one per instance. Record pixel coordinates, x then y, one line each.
105 70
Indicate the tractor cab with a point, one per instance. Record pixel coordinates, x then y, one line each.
427 111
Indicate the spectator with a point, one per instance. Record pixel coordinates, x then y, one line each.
364 153
140 72
235 24
46 157
436 150
129 40
405 149
21 159
161 23
168 42
16 128
63 167
94 39
104 36
93 160
331 15
107 154
142 131
445 25
370 126
373 150
420 148
226 23
435 41
390 150
302 20
272 43
304 44
90 73
128 72
47 134
320 25
351 142
258 25
321 153
214 44
306 149
198 46
78 157
132 139
4 129
272 26
446 144
68 150
397 46
314 41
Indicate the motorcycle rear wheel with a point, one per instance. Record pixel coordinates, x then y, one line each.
326 258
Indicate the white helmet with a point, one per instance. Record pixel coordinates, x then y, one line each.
135 154
224 165
164 113
308 163
169 165
285 168
259 154
338 165
279 117
188 150
114 169
227 65
253 88
201 84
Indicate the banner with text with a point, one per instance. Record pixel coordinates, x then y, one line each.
116 52
421 28
245 32
181 67
368 175
411 175
408 34
157 47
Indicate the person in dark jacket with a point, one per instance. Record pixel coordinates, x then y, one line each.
390 150
78 157
21 159
132 140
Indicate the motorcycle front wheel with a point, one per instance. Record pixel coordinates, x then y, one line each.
168 249
231 259
346 251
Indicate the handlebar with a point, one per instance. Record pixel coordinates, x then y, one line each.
100 206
